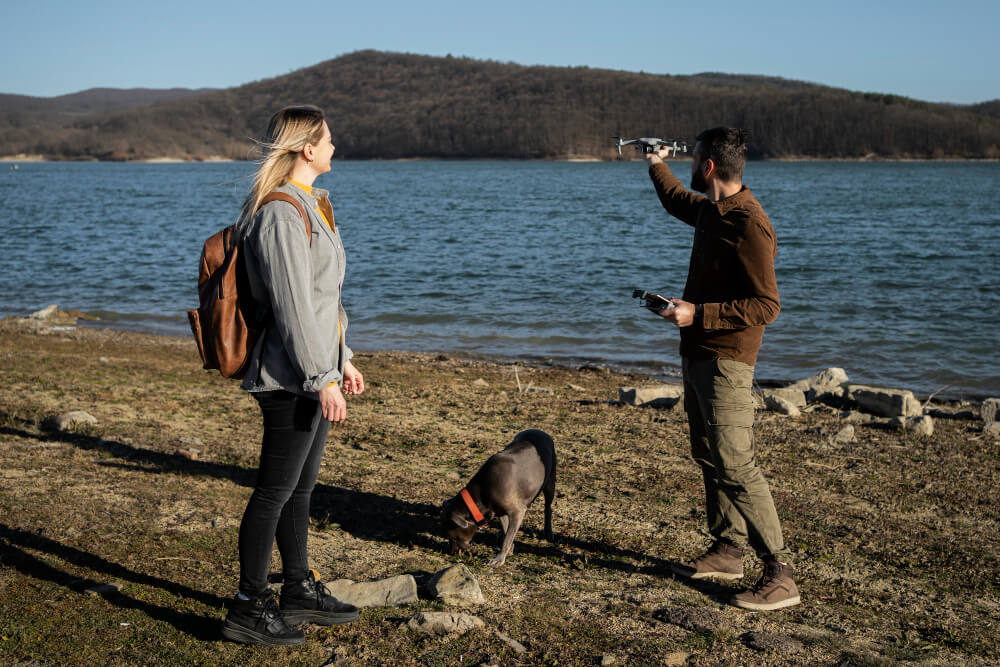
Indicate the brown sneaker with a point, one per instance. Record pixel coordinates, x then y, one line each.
722 561
774 590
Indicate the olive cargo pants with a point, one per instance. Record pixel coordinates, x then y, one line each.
719 406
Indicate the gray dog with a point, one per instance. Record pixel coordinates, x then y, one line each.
504 487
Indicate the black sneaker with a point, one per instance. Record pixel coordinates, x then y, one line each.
259 621
310 601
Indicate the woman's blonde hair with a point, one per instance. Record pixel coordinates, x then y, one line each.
287 134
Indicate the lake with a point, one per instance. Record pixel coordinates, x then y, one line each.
889 270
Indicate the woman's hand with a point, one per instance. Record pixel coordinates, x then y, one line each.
333 403
354 382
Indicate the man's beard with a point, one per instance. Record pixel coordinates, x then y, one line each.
698 183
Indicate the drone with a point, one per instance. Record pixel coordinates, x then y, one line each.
651 145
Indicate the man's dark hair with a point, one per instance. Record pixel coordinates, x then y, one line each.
728 149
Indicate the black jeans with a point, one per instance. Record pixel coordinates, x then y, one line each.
294 437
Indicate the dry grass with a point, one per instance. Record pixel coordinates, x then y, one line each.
895 537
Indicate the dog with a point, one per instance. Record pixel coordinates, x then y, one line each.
504 487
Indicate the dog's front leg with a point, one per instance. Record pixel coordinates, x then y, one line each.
504 525
513 524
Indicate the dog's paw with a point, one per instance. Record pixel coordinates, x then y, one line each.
497 561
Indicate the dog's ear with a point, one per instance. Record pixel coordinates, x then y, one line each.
460 520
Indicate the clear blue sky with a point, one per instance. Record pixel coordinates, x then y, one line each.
934 51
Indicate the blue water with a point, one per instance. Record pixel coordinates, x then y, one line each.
889 270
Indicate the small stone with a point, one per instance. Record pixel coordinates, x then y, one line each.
855 417
70 420
845 435
923 426
104 589
513 644
538 390
575 387
442 623
695 619
676 659
480 382
190 453
456 585
990 411
772 642
192 442
45 313
780 405
608 659
104 360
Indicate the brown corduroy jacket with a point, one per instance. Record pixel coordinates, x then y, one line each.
731 272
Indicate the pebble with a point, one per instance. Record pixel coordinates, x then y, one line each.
480 382
513 644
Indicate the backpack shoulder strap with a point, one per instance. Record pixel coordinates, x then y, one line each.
281 196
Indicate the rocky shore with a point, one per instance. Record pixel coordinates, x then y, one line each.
124 469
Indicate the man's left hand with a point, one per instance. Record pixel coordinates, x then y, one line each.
682 314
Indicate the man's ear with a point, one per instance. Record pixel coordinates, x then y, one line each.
460 520
708 168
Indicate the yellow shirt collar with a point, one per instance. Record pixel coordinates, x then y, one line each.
302 186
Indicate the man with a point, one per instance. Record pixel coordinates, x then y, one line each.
730 295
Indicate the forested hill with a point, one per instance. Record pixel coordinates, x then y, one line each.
391 105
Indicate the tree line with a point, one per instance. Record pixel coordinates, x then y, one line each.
391 105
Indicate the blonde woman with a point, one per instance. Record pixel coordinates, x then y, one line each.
295 373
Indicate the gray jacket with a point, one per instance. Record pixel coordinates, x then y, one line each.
300 351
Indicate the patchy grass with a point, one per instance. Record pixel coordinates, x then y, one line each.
895 536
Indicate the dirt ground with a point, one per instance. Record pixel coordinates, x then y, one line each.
895 535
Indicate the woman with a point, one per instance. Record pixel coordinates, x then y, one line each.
295 372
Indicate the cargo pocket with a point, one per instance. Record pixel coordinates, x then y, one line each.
731 413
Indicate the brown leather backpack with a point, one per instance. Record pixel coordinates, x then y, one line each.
225 325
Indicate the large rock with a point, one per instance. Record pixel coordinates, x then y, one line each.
825 385
382 593
659 396
442 623
885 402
795 397
456 585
